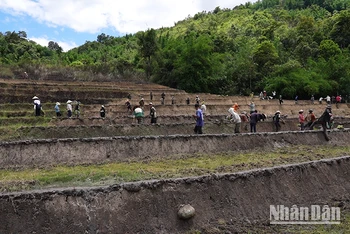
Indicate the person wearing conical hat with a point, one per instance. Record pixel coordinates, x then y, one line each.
37 106
69 109
152 113
276 120
103 111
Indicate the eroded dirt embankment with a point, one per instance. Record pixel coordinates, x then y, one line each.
231 202
75 151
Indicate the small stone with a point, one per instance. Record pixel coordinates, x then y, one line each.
186 212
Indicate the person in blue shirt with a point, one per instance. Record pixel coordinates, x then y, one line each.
57 109
199 120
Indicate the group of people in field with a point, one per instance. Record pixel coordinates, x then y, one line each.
245 120
234 116
138 110
72 108
138 113
38 109
307 122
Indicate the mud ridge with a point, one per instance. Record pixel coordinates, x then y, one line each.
78 151
236 202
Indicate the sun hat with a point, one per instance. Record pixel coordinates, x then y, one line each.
57 103
35 97
301 111
69 101
278 111
151 103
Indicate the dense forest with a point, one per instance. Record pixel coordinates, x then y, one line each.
293 47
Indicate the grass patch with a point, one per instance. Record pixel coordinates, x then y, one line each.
180 166
16 130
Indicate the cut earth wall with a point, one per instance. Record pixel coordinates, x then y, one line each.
75 151
232 202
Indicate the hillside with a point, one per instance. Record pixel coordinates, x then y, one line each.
84 172
291 47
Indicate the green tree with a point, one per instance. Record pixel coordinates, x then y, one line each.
329 48
265 56
340 32
55 47
148 47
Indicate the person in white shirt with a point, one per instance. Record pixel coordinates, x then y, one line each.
138 113
320 100
69 108
252 107
203 108
236 119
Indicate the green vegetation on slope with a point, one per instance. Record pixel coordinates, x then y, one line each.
293 47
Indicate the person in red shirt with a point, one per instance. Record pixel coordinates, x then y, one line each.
338 100
310 118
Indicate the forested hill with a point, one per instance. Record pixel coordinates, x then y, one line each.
293 47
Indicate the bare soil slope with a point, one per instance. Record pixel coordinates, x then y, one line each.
224 203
